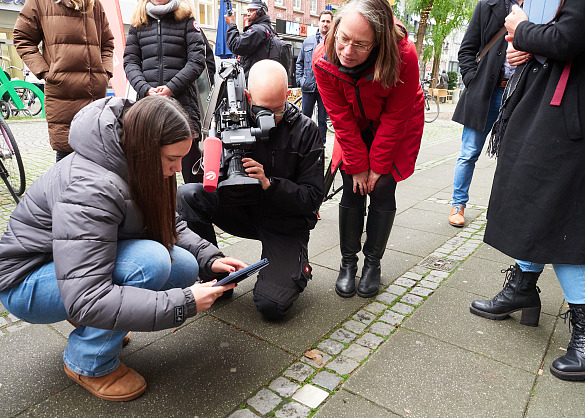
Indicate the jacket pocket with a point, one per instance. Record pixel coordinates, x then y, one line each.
572 113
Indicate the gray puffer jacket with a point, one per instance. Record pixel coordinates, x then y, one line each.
75 214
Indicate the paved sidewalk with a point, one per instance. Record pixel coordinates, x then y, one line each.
413 351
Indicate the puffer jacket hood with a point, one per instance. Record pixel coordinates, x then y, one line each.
96 133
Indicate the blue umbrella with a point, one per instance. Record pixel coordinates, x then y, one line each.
221 48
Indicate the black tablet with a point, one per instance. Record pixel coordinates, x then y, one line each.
240 275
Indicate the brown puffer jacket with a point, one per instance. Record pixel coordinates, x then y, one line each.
76 60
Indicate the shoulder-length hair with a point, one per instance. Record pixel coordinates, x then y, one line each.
387 35
85 5
148 125
139 16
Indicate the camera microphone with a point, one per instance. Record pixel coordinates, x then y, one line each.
211 163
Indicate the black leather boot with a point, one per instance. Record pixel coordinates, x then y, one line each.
571 366
351 226
377 232
519 293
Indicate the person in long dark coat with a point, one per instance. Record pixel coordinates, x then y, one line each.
537 205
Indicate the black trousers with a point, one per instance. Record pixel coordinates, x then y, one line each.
280 283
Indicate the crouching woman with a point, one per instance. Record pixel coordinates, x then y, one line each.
95 240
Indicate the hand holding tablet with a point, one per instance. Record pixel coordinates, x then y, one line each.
240 275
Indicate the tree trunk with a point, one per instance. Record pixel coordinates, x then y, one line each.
422 28
435 71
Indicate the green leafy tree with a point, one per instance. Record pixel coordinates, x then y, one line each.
447 15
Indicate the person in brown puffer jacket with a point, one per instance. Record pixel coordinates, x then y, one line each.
76 61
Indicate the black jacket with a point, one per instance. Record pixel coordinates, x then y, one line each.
293 158
480 79
166 52
251 45
537 204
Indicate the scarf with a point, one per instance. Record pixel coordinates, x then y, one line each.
357 71
157 12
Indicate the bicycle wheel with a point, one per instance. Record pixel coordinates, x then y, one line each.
11 159
4 109
431 109
5 178
32 104
330 125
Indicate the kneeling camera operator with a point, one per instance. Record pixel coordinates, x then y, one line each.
269 167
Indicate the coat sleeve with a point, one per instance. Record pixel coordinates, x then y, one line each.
195 60
107 46
561 41
85 231
28 34
303 195
133 63
246 43
347 132
471 46
397 113
300 70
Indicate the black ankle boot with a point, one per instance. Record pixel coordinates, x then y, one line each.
519 293
571 366
351 226
377 232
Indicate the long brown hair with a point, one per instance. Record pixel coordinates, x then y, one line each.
85 5
148 125
379 15
139 16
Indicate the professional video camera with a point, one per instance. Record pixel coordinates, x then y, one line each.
226 118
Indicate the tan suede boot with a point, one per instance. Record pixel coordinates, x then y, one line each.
123 384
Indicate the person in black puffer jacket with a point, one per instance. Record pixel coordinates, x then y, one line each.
165 54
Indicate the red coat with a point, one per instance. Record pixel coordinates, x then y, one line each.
396 114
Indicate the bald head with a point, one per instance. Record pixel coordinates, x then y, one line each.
268 81
268 86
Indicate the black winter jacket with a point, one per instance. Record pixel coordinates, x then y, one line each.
166 52
293 159
251 45
480 79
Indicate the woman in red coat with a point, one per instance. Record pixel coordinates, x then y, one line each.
367 74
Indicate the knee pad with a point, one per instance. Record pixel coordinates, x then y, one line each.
269 309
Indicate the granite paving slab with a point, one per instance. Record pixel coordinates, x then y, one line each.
348 405
203 369
445 316
461 384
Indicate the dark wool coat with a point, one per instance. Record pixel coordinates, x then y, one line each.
76 62
537 206
480 79
75 214
252 44
166 52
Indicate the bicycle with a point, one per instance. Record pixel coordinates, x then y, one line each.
431 104
11 165
20 95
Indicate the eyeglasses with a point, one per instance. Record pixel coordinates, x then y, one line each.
357 47
279 111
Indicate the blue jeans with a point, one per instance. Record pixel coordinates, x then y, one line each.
472 142
91 351
309 100
571 277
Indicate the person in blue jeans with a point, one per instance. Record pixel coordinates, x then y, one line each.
305 77
537 199
477 108
96 241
